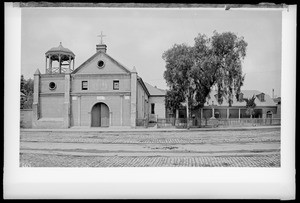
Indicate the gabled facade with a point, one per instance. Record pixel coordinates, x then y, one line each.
101 92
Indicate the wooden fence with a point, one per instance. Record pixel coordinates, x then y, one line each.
230 122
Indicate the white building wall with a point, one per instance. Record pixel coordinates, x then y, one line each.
160 109
142 97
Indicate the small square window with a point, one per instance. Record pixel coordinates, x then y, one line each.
116 84
84 85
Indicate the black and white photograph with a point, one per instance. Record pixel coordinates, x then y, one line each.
162 94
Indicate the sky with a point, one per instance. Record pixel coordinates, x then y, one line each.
137 37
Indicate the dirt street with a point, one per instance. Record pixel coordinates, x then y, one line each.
237 148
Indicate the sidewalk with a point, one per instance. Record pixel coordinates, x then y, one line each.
128 129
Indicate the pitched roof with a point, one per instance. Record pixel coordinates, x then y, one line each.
246 94
37 72
95 55
140 80
154 91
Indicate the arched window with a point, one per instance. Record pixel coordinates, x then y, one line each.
269 114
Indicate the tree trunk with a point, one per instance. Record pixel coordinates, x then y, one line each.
187 114
176 117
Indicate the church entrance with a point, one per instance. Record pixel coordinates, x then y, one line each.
100 115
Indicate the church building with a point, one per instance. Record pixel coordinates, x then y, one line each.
101 92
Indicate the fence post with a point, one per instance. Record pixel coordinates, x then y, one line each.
271 120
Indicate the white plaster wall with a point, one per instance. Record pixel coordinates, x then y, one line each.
160 109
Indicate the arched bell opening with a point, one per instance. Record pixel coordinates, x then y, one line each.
59 60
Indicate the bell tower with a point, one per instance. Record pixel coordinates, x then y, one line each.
63 58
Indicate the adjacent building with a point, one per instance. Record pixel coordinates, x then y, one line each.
265 107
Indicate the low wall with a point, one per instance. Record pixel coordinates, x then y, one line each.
49 123
26 118
26 121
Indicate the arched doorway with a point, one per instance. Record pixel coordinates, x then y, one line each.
100 115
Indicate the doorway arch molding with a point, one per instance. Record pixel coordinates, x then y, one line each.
100 115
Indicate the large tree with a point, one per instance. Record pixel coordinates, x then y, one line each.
178 75
250 105
22 92
229 51
26 89
173 100
29 93
191 72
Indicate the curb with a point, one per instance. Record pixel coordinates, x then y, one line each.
151 130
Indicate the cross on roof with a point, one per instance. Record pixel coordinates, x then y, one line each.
101 36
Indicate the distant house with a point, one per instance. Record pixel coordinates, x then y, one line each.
278 104
156 102
277 100
265 107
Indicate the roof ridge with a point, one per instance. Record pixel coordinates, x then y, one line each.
98 53
127 69
162 92
85 62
